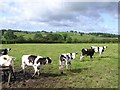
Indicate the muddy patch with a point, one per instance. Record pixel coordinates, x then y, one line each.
45 80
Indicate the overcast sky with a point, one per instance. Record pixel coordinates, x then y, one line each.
59 15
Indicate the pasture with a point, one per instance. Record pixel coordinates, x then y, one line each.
96 73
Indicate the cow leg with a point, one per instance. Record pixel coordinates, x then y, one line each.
35 68
61 67
81 57
100 54
91 57
70 66
38 71
12 71
66 65
4 75
23 68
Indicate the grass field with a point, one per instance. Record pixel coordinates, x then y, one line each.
98 73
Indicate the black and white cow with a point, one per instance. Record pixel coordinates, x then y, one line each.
87 52
66 59
99 50
7 61
5 51
35 61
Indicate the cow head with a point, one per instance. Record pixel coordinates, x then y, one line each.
73 55
49 60
8 49
105 47
5 51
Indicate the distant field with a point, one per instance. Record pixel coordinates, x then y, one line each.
98 73
75 36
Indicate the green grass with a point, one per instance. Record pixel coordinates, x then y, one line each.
98 73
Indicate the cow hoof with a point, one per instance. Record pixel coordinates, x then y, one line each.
32 77
39 74
61 72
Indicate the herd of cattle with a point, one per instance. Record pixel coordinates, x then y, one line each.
37 61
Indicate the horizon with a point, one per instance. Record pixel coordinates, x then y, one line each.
58 15
55 31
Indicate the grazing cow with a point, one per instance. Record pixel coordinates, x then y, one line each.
99 50
5 51
35 61
87 52
66 59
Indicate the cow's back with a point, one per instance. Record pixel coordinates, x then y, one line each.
25 59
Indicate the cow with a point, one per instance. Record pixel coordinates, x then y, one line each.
88 52
5 51
99 50
35 61
66 59
7 61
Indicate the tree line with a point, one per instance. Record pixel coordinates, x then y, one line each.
50 37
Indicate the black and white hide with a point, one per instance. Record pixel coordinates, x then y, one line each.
99 50
5 51
65 60
87 52
7 61
35 61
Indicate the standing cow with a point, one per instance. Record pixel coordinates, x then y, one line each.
35 61
99 50
88 52
66 59
7 61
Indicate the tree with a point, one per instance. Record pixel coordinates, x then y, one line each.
9 35
75 31
21 39
69 40
75 40
2 31
57 38
71 31
65 36
54 37
37 36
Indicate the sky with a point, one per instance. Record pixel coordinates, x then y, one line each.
60 15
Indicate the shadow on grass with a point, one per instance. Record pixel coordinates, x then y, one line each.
80 69
95 58
104 57
51 75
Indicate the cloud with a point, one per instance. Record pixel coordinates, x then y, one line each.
56 13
